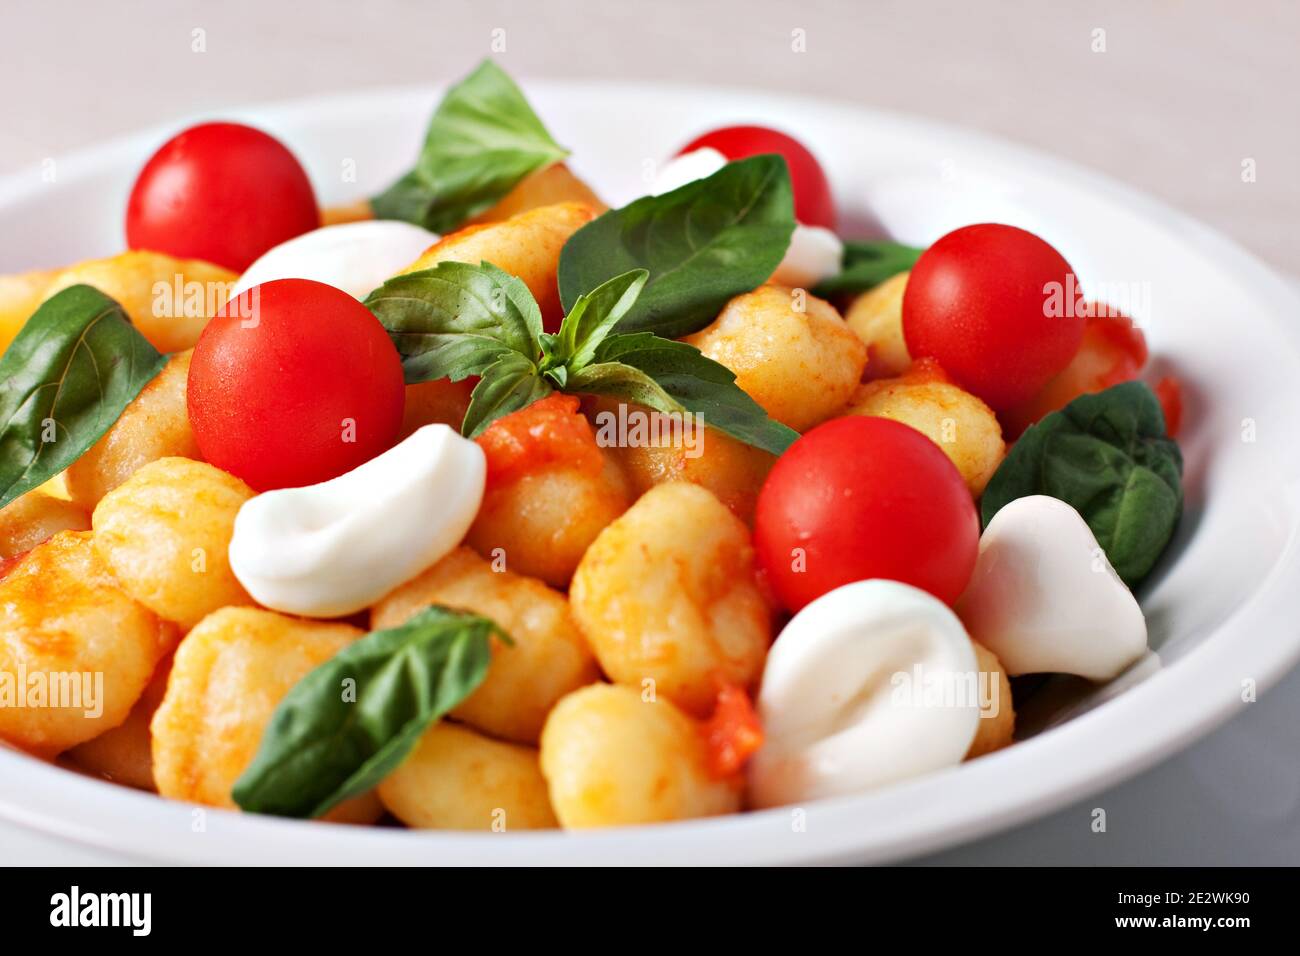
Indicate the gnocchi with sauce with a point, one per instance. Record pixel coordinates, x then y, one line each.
599 527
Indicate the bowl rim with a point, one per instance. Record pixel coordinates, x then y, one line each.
1122 736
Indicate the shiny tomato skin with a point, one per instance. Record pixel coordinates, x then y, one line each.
978 302
223 192
865 497
813 205
292 383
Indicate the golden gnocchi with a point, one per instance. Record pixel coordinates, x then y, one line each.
998 716
876 316
35 517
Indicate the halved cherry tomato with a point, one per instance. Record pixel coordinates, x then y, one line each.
813 205
292 383
733 733
222 192
549 431
863 497
1113 350
980 301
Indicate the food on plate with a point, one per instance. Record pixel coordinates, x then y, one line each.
483 506
1045 599
222 192
955 420
612 757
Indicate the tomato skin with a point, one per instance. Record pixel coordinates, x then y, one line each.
813 205
733 733
277 375
222 192
976 302
865 497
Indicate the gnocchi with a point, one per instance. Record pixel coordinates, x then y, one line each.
20 295
155 425
790 351
876 317
963 426
997 722
666 594
78 639
35 517
611 758
165 534
457 779
124 754
169 300
546 187
549 657
228 676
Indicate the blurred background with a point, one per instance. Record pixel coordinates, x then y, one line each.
1175 97
1171 96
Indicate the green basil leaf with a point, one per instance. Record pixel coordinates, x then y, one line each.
323 746
483 139
866 265
67 376
456 319
702 244
511 383
671 376
593 317
1107 456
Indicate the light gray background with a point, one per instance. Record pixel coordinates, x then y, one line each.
1183 94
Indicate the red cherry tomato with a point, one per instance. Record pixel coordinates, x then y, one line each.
221 192
292 383
813 205
863 497
1169 392
995 306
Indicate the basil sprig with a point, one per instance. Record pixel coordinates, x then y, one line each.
456 320
352 720
866 265
1106 455
483 139
64 380
702 244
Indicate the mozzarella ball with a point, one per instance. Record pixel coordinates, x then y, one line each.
703 456
67 626
545 187
955 420
169 300
155 425
667 594
549 657
611 758
876 317
543 522
35 517
124 754
230 673
456 779
165 534
790 351
527 245
997 723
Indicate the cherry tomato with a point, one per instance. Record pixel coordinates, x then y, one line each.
733 733
1169 391
292 383
993 304
813 205
222 192
1113 350
863 497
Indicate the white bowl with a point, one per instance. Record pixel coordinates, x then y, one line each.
1221 608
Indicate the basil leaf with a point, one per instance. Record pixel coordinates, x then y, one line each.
702 244
592 318
1107 456
511 383
671 376
67 376
483 139
866 265
321 748
456 319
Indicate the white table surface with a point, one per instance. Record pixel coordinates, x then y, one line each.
1184 94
